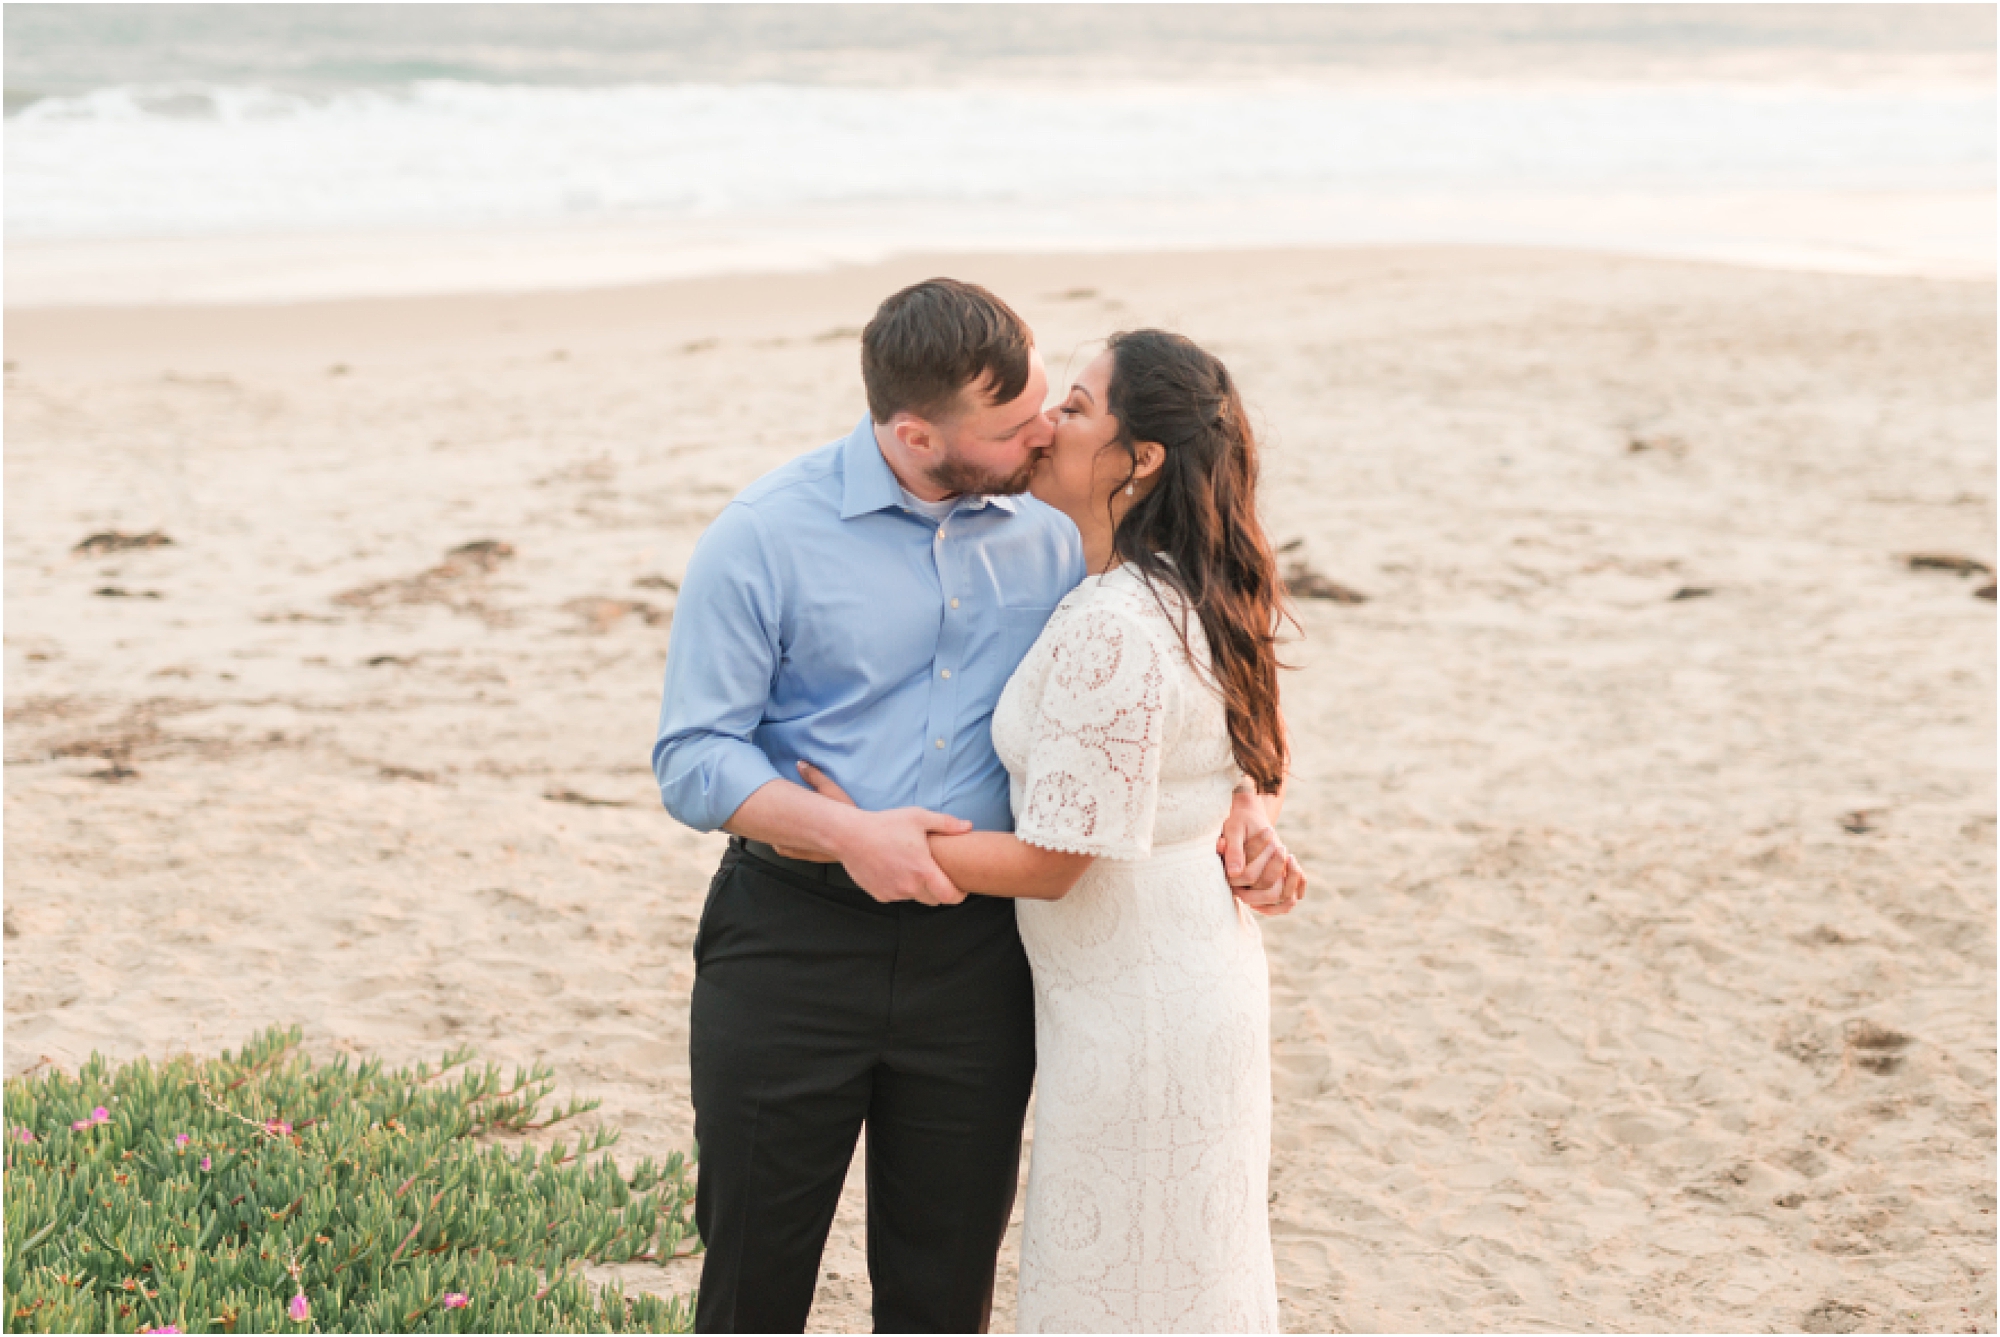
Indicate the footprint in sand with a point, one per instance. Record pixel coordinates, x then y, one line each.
1836 1316
1877 1048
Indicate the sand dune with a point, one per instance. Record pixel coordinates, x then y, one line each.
1648 977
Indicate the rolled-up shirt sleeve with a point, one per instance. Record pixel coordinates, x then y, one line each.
721 661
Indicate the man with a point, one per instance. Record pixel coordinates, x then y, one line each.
862 607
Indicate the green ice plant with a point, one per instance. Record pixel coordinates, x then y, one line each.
263 1192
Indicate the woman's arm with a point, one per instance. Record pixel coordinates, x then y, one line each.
1251 852
985 863
1270 880
994 863
1274 803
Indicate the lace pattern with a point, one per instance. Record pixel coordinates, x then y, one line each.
1094 768
1112 739
1146 1197
1145 1209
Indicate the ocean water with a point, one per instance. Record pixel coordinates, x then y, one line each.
701 137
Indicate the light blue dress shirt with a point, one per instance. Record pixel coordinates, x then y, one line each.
822 618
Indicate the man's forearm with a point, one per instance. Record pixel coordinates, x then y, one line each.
794 817
887 853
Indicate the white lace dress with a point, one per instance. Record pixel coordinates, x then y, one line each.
1147 1191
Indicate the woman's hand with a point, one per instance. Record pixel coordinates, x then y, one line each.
818 781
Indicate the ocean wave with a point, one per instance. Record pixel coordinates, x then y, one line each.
195 159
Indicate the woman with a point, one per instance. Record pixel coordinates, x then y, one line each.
1149 697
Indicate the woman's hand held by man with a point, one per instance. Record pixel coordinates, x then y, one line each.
1264 875
890 856
888 853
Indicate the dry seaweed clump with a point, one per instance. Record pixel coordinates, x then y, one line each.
456 582
261 1192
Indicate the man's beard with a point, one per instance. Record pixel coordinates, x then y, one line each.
956 475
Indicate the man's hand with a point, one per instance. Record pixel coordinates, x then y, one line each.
890 855
1290 890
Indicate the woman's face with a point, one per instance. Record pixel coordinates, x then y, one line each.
1083 466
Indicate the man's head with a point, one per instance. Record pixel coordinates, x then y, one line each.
955 387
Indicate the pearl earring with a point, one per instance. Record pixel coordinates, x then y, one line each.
1128 489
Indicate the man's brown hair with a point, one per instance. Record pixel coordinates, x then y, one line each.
936 338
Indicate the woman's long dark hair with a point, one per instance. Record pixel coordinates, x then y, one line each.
1197 531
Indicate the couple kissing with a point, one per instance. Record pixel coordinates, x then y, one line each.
986 696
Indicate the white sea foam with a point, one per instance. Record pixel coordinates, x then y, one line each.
188 161
802 171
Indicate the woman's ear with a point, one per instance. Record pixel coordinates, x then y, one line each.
1147 457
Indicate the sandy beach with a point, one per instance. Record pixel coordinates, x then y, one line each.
1647 979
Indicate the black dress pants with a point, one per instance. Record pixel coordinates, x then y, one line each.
818 1010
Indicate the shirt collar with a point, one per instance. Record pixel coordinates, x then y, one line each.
869 485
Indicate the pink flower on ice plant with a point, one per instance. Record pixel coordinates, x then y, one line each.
278 1126
79 1125
100 1115
205 1162
299 1309
454 1300
181 1139
24 1134
169 1328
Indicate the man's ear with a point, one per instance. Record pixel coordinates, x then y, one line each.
916 435
1147 457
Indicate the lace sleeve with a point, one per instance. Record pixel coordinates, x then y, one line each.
1092 781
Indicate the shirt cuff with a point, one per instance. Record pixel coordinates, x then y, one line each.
718 784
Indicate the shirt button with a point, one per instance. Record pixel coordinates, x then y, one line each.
940 742
946 672
954 603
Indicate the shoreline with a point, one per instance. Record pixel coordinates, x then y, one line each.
1922 234
690 313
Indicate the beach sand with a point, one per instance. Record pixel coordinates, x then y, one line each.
1647 977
